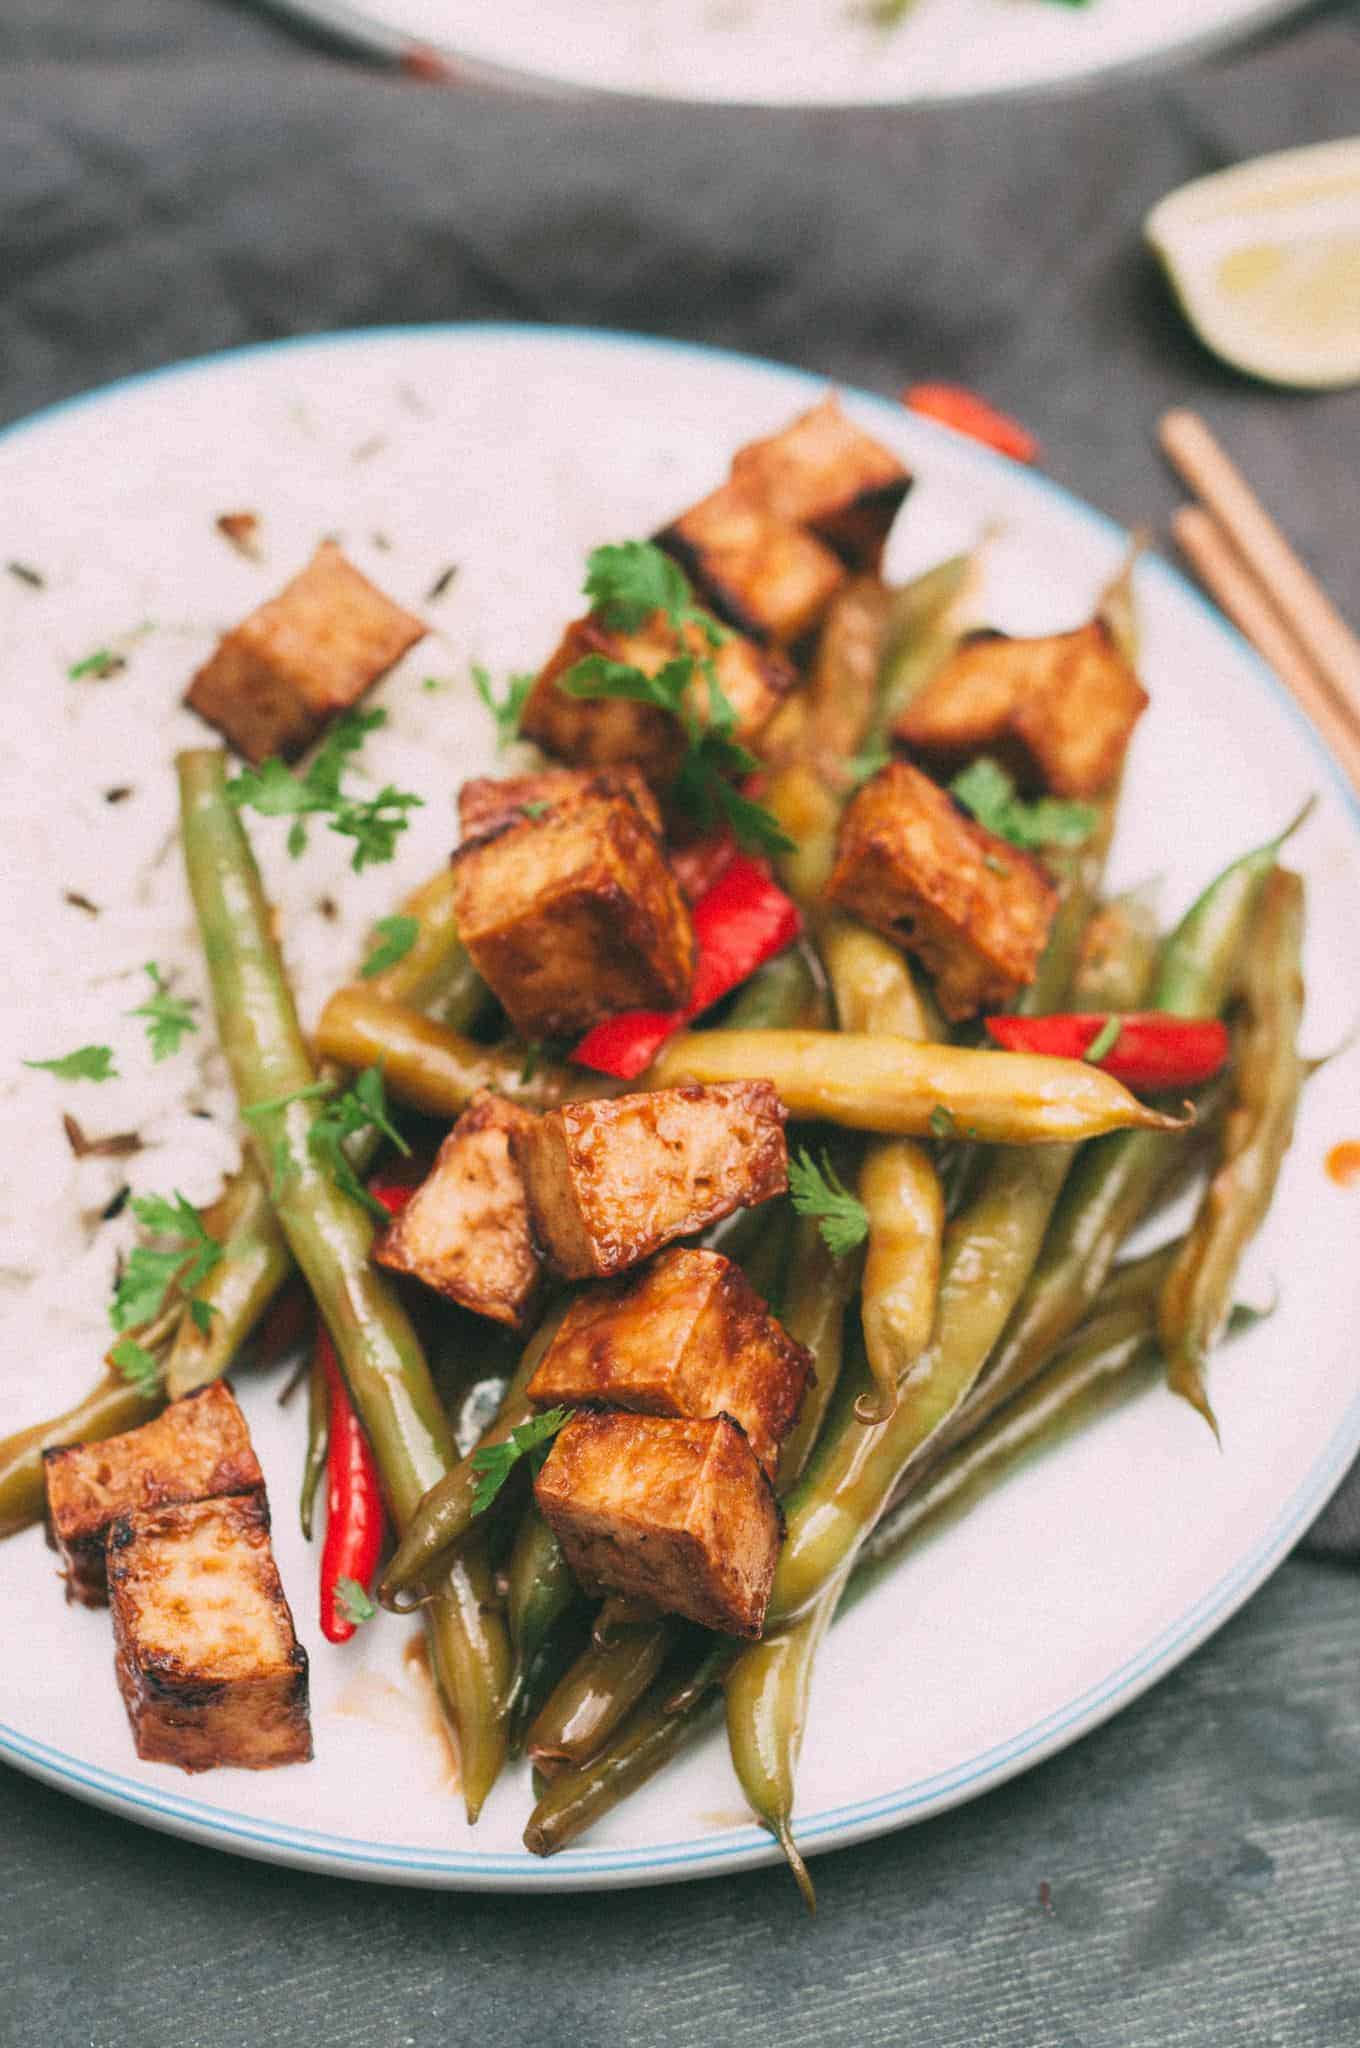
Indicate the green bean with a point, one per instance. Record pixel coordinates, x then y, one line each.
596 1694
1077 870
255 1263
434 975
109 1408
1119 946
1267 1081
318 1441
786 993
923 631
873 983
330 1236
547 1613
825 722
821 1286
900 1191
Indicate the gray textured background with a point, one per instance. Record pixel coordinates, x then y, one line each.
178 176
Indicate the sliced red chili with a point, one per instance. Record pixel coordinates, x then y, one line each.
355 1517
953 405
1146 1049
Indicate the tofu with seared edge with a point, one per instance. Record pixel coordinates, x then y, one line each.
573 916
274 682
611 732
1059 712
764 575
208 1663
688 1336
199 1446
465 1230
973 909
611 1182
487 805
825 473
671 1510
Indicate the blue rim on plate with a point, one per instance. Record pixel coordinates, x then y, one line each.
743 1847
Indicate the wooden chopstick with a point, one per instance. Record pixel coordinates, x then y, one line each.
1231 583
1331 647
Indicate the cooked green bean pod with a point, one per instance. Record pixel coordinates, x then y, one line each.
924 628
821 1287
318 1441
1267 1080
109 1408
330 1237
546 1611
901 1194
873 983
596 1695
1118 953
785 993
255 1263
434 974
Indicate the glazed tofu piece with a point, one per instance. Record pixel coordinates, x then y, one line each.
465 1230
674 1511
486 805
688 1337
973 909
277 678
1059 712
611 1182
769 578
574 915
197 1447
209 1666
608 732
826 473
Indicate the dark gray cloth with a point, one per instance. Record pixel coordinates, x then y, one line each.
176 177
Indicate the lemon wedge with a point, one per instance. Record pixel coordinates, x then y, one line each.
1265 260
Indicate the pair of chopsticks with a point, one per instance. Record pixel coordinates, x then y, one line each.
1249 568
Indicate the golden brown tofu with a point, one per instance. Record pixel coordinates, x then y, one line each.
1059 712
973 908
677 1512
572 916
689 1336
610 731
767 577
465 1230
275 680
209 1666
826 473
198 1447
611 1182
486 805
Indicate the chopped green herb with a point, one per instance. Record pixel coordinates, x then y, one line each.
136 1364
533 1053
374 823
168 1018
362 1105
536 810
943 1123
629 581
988 791
1104 1041
820 1192
433 683
494 1463
994 866
97 667
507 710
202 1313
397 935
148 1276
352 1603
86 1063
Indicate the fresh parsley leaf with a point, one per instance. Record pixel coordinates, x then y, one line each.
149 1274
494 1463
374 823
202 1313
136 1364
86 1063
97 667
988 791
755 827
627 581
397 935
352 1603
168 1018
254 1110
536 810
1105 1040
344 1116
507 710
819 1191
943 1122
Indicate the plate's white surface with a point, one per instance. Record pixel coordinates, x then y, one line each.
512 451
821 53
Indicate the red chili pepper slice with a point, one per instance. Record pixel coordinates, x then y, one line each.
743 920
953 405
1146 1049
355 1518
395 1194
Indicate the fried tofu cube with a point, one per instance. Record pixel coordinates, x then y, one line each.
611 1182
208 1663
675 1511
487 805
769 578
1058 712
465 1230
826 473
608 732
973 908
689 1336
197 1447
276 679
573 916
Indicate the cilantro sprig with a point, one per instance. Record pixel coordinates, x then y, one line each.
187 1258
169 1019
352 1603
986 789
396 936
358 1108
86 1063
494 1463
136 1364
819 1191
506 710
374 823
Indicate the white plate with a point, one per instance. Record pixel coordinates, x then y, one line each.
759 52
512 451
